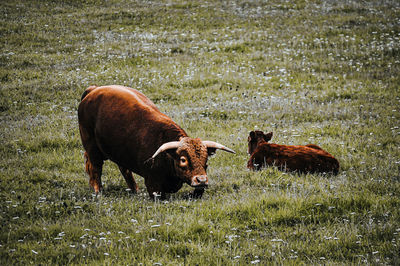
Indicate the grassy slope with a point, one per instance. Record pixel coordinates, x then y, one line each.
311 71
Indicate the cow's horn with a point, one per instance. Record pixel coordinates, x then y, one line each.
166 146
212 144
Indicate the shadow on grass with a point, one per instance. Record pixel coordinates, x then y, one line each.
121 191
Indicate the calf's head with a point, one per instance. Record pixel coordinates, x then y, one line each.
255 137
190 158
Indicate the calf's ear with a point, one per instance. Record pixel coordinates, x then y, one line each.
252 135
268 136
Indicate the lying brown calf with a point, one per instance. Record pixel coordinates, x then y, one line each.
309 158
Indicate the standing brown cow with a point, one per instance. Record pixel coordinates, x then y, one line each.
308 158
121 124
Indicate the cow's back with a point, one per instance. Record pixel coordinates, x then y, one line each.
312 158
126 126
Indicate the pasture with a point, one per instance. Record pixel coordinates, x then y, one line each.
322 72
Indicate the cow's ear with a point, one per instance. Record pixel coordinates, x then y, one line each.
172 154
268 136
211 151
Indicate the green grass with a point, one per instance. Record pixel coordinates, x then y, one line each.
311 71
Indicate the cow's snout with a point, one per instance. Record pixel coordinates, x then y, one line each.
199 181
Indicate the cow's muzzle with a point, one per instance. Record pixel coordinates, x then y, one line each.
199 181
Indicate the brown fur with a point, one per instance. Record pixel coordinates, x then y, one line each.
121 124
309 158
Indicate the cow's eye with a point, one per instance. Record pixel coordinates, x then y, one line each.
183 161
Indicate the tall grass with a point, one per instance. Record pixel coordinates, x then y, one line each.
311 71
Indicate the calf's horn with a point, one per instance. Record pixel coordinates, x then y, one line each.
166 146
215 145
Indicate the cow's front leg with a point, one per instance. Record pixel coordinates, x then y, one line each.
130 180
197 193
155 191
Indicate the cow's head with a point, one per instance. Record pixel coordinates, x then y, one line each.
190 158
255 137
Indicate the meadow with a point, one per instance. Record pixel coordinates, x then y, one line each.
311 71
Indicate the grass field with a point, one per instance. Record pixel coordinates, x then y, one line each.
322 72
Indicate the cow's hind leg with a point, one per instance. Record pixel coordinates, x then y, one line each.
130 180
93 158
94 167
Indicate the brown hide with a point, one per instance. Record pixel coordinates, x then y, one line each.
255 137
121 124
309 158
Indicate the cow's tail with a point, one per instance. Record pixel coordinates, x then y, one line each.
87 91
